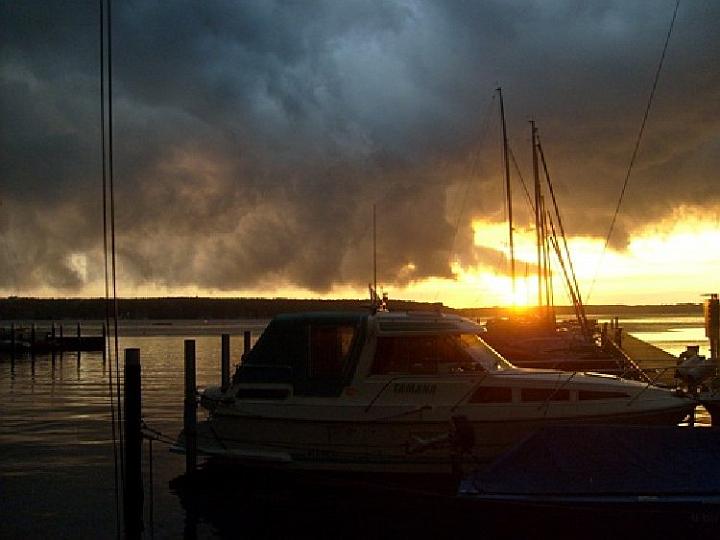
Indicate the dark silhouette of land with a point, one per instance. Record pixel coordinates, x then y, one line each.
22 308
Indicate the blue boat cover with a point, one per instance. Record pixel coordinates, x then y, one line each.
593 460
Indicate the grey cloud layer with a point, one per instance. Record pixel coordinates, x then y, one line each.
252 138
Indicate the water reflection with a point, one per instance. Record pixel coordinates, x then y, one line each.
56 452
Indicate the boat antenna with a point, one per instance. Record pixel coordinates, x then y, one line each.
506 164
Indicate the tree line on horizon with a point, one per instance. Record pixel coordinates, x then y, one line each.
19 308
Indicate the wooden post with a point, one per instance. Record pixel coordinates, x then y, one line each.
12 338
32 337
133 494
190 410
105 343
52 330
225 362
246 342
61 332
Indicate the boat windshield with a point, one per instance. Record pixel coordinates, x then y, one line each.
483 353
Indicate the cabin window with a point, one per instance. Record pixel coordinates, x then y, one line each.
318 356
585 395
329 349
420 355
544 394
492 394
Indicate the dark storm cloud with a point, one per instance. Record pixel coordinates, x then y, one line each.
253 138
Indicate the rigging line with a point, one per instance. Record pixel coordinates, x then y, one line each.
106 344
635 149
558 253
473 167
111 177
522 180
582 319
484 128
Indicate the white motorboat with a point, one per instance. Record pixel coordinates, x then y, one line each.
378 392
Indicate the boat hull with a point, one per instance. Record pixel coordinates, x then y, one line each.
392 446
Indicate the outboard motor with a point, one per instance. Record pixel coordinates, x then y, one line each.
693 368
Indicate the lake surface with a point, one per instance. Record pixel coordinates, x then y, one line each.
56 451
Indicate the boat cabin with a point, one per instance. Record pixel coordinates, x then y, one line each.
319 354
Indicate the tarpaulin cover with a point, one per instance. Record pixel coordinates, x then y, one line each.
623 460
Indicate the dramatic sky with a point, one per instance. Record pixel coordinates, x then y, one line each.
252 139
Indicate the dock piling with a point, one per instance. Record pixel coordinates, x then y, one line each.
105 343
190 409
225 362
246 342
133 493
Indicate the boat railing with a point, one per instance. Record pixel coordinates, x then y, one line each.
545 404
650 383
384 387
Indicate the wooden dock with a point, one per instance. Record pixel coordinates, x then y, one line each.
656 363
55 339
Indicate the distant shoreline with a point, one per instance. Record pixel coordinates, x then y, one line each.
25 308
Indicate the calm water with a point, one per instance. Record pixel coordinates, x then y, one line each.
56 453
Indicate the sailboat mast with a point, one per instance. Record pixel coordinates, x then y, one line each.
375 295
508 192
538 212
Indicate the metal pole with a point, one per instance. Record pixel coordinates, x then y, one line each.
508 193
190 411
133 494
374 257
225 362
538 232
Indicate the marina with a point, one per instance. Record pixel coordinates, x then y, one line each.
72 438
195 197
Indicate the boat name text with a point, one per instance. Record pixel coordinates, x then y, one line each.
414 388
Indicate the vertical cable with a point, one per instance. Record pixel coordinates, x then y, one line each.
106 344
112 237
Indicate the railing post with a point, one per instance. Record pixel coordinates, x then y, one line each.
190 410
225 362
133 495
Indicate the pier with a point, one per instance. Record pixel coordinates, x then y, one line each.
55 338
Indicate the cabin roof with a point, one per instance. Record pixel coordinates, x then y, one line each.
323 316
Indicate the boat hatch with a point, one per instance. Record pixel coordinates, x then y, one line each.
315 353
